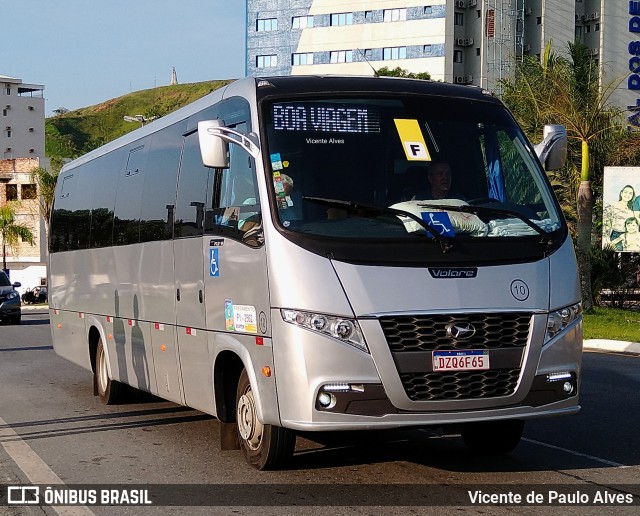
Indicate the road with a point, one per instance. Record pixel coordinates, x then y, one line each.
53 430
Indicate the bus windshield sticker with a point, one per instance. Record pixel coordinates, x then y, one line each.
415 148
276 161
278 185
440 221
245 318
228 314
214 269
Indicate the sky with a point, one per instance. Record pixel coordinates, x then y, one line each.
85 52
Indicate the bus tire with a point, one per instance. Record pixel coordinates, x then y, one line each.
493 437
264 446
109 391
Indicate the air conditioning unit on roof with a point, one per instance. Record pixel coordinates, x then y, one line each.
459 79
461 4
460 41
468 42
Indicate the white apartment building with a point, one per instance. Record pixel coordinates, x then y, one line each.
22 149
22 120
460 41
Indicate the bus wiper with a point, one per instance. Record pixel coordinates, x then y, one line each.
445 243
470 208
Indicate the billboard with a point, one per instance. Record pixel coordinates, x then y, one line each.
621 209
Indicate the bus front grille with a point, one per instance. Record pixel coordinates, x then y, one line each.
460 385
430 332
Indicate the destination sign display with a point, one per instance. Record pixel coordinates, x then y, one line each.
325 118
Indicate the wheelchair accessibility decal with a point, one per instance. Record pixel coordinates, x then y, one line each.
440 221
214 268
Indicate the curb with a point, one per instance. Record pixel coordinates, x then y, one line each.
614 346
31 308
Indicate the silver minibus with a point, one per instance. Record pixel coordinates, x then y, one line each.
293 254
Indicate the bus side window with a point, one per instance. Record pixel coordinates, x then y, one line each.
234 210
193 181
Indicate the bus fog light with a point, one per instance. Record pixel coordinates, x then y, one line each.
326 400
567 387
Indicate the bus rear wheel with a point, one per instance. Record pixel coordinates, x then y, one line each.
264 446
109 391
493 437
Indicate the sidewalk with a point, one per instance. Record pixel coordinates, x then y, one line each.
612 346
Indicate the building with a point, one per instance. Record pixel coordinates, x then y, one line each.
23 149
22 122
26 263
461 41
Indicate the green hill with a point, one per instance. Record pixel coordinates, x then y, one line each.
74 133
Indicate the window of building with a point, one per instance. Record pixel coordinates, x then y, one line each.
477 51
341 56
428 9
28 191
539 20
8 89
368 53
5 112
267 24
390 53
392 15
8 132
342 19
305 58
302 22
368 15
478 13
268 61
11 192
458 19
578 32
597 27
427 49
587 29
457 56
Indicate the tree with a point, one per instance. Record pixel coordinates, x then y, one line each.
46 182
400 72
567 90
12 231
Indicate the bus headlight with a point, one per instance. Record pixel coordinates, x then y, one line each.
557 321
340 328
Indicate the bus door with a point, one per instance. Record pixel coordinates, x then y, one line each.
189 260
236 273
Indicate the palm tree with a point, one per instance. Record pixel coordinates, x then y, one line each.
11 231
46 182
567 90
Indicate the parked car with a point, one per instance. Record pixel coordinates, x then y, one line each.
35 295
9 300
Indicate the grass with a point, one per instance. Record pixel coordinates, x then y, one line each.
612 323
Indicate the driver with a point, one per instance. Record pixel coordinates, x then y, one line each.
439 177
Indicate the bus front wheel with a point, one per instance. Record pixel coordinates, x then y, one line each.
264 446
109 391
493 437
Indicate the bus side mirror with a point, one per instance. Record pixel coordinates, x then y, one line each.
552 150
213 149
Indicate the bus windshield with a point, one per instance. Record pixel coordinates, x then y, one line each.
384 168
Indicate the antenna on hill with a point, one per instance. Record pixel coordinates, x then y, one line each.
174 77
375 72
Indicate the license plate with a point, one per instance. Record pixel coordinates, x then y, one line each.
467 360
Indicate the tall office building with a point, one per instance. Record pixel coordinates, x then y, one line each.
459 41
